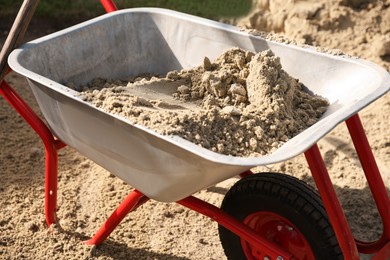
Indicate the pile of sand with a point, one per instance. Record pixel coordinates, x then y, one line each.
242 104
357 27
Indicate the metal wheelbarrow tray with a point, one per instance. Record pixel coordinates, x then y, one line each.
150 40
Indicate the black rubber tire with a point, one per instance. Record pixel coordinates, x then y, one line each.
287 197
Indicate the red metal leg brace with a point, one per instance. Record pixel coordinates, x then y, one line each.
268 248
130 203
375 182
348 243
331 203
51 147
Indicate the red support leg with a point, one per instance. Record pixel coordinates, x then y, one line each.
331 203
109 5
130 203
51 147
269 249
375 182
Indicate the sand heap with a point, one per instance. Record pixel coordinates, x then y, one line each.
357 27
242 104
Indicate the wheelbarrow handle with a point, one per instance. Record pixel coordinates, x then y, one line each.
16 33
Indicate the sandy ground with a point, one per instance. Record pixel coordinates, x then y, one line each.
88 194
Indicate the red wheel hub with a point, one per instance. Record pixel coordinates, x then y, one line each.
278 230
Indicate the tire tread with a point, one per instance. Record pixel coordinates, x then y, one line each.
288 190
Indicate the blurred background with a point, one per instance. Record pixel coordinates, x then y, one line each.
53 15
72 10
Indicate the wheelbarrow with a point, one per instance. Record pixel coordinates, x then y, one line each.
263 216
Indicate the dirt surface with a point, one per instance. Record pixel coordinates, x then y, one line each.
88 194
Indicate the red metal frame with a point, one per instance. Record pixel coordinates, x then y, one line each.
375 183
331 203
348 244
268 248
51 146
130 203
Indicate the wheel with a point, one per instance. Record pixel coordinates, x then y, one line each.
283 210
